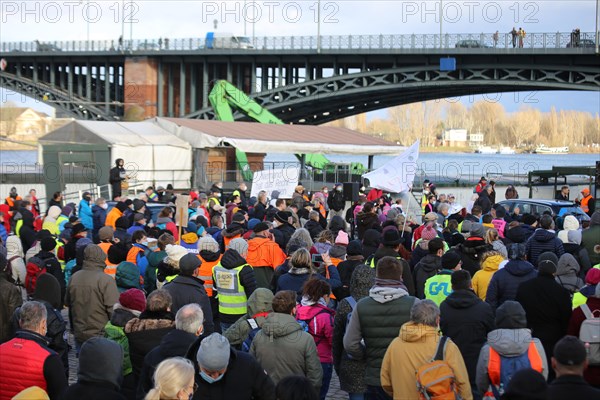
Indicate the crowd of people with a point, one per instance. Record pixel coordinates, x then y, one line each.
264 298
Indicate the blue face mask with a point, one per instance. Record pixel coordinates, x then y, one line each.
210 379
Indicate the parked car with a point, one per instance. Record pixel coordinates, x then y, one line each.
46 47
146 46
535 206
471 44
585 43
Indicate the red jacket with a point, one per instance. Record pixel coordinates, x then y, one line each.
374 194
591 374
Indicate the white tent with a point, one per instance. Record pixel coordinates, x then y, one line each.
151 153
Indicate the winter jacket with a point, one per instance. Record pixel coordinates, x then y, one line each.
282 234
264 255
372 322
99 219
589 237
407 275
127 277
414 347
27 361
259 304
581 256
484 202
592 373
504 284
10 298
482 278
100 373
365 221
50 221
541 241
47 291
174 344
145 333
15 257
91 295
187 290
567 274
517 234
320 325
508 343
3 234
425 269
571 387
115 331
335 201
314 228
470 253
26 233
283 349
231 259
260 211
294 279
351 372
111 218
85 214
548 309
467 320
245 379
345 269
570 223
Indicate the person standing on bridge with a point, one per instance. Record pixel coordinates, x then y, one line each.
514 35
495 38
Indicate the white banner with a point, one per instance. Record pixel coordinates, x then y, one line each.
398 174
283 181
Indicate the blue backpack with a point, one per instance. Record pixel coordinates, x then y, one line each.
508 367
305 323
254 330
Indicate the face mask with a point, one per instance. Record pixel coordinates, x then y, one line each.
325 191
104 206
218 194
210 379
362 189
145 243
29 208
339 189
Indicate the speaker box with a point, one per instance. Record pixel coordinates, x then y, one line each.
351 191
597 173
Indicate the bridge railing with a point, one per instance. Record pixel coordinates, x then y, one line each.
325 43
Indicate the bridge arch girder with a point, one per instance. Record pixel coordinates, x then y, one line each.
75 106
327 99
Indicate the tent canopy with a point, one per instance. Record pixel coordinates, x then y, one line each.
252 137
151 154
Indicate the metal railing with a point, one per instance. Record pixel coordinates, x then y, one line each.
543 40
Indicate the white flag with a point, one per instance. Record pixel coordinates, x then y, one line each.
396 175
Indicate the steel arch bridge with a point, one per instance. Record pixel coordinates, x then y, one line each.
328 99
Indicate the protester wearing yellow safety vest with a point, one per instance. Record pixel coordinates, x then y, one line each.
439 286
234 282
592 279
391 244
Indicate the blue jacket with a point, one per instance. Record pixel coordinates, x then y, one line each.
296 282
99 218
506 281
542 241
3 234
85 215
135 227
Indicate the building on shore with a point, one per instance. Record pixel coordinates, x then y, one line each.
21 127
461 138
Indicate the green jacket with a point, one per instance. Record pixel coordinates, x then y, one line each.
154 259
259 302
127 276
284 349
117 334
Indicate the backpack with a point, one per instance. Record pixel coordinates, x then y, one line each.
352 304
508 367
35 267
435 379
589 333
254 328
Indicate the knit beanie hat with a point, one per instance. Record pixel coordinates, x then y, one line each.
207 243
252 222
428 233
547 257
342 238
337 251
240 245
175 252
477 230
354 248
593 276
48 244
260 227
106 233
133 299
213 353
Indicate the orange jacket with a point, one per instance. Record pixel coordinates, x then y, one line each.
205 273
585 206
263 252
112 217
110 269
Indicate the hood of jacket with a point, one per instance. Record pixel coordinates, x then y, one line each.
371 238
309 312
519 267
232 259
53 213
363 279
121 316
233 230
542 235
366 218
567 265
190 238
431 263
462 299
516 234
509 342
93 258
570 223
412 332
101 361
163 220
260 301
27 217
278 325
474 245
14 247
492 263
385 294
595 218
47 289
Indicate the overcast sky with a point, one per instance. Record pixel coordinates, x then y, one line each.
69 20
